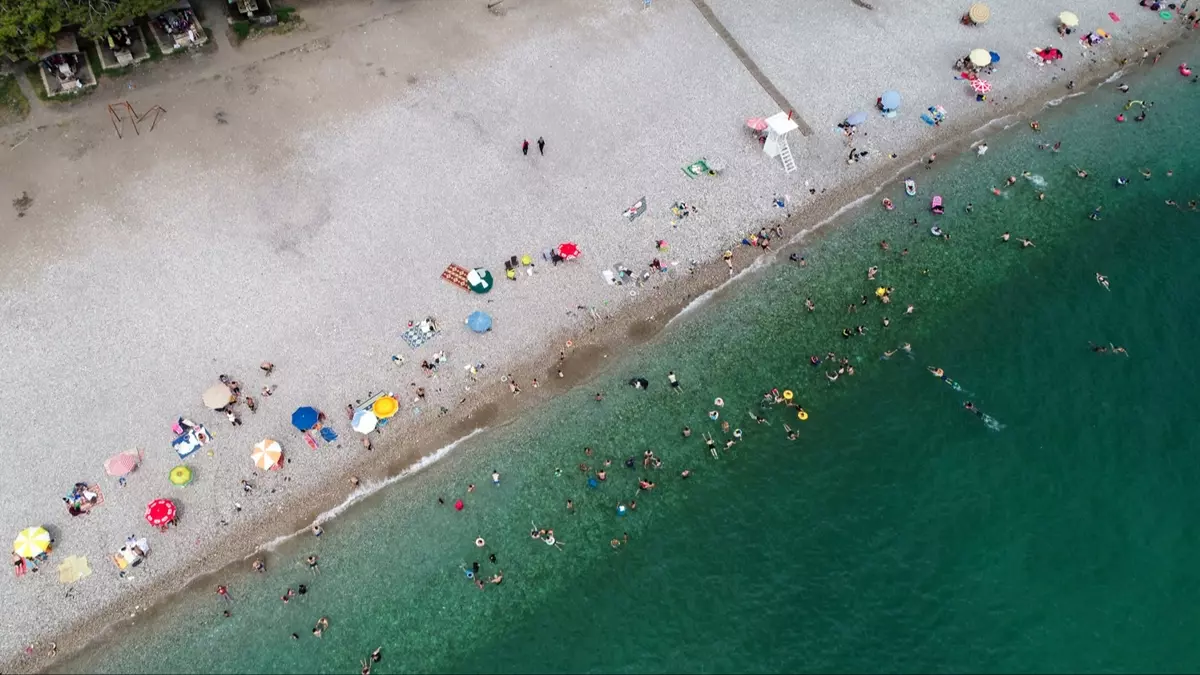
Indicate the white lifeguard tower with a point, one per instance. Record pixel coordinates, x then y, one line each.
776 145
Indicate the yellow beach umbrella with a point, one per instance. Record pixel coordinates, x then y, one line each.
1068 19
73 569
979 13
181 475
980 57
266 454
385 407
32 541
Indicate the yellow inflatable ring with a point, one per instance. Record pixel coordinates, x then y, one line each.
802 415
787 395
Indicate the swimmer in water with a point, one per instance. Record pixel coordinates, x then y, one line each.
1095 214
1057 146
808 304
968 208
907 348
887 355
711 444
971 407
1011 180
1102 280
1121 181
1041 196
1146 174
1118 350
1099 349
1081 173
1005 236
1027 243
791 433
1123 88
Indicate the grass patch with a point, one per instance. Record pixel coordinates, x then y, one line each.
14 107
288 21
93 56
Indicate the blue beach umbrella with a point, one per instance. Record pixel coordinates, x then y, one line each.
305 418
479 322
856 119
995 57
890 100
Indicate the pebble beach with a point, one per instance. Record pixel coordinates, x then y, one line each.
313 226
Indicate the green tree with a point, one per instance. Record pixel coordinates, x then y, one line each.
96 16
28 26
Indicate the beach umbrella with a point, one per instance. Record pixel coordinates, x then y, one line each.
757 123
305 418
267 454
385 407
855 119
181 475
31 542
995 57
479 322
364 421
568 250
981 86
979 13
217 396
122 463
73 568
479 280
1068 19
980 57
890 100
160 512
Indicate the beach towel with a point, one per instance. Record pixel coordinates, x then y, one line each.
312 442
415 337
457 275
1114 17
328 434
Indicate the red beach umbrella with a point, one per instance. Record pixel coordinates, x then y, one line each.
568 251
981 86
160 512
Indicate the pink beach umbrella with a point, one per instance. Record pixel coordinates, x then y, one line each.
123 463
757 123
981 86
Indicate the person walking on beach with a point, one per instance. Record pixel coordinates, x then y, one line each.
525 147
541 145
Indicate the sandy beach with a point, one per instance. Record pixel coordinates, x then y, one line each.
303 193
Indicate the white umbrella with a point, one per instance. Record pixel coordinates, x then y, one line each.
364 421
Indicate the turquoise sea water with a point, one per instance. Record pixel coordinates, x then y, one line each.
898 533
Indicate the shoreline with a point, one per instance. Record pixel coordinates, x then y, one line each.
632 323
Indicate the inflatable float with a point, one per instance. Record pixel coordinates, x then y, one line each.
910 188
935 205
887 204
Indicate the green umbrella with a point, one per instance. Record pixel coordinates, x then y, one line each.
479 280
